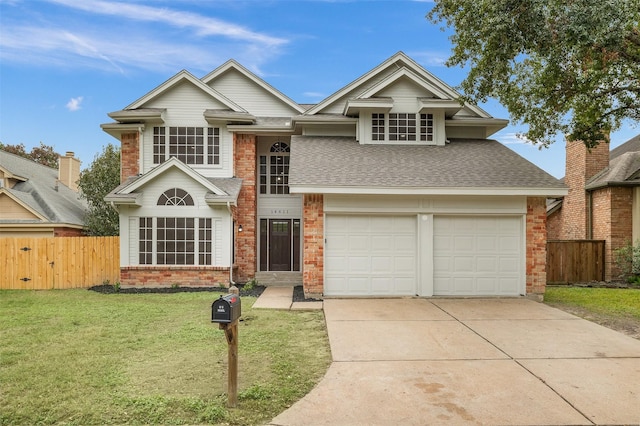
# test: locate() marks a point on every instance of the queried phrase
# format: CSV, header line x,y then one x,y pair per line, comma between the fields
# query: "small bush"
x,y
627,259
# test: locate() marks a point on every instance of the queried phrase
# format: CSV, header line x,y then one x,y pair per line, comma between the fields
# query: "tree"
x,y
43,154
570,66
102,176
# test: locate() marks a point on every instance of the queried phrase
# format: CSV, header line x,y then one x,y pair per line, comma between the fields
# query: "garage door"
x,y
477,256
370,255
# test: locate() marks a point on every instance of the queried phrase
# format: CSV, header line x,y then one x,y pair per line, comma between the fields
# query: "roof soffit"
x,y
232,65
163,168
181,77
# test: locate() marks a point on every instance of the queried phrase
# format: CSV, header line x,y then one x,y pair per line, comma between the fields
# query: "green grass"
x,y
613,302
80,357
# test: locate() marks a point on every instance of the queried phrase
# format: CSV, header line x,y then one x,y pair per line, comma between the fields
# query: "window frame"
x,y
402,128
177,141
175,241
269,170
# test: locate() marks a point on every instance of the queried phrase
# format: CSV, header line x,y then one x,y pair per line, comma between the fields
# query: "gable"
x,y
405,94
250,95
172,178
10,209
184,101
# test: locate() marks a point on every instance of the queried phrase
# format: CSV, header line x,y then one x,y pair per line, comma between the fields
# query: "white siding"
x,y
185,105
221,220
425,204
405,94
250,96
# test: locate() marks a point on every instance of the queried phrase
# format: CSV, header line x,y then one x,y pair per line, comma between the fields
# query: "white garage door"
x,y
370,255
477,256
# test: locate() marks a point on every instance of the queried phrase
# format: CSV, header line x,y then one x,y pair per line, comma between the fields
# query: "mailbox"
x,y
226,309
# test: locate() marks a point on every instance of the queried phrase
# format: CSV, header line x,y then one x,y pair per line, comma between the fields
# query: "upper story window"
x,y
175,197
274,170
402,127
191,145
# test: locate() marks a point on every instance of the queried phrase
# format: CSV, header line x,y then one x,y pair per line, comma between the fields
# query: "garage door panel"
x,y
380,257
358,264
485,255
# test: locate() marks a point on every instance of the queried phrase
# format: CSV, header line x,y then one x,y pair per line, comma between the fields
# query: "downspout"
x,y
589,215
231,282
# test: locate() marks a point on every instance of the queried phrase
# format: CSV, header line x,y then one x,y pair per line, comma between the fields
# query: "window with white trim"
x,y
175,197
191,145
274,170
175,241
402,127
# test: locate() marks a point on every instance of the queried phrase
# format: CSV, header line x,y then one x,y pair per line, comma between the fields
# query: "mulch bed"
x,y
254,291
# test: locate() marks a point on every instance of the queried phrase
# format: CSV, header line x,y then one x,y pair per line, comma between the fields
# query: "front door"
x,y
280,244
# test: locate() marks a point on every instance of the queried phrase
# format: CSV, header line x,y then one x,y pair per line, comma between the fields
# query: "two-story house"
x,y
388,187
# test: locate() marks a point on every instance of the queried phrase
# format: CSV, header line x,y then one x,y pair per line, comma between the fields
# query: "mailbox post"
x,y
226,311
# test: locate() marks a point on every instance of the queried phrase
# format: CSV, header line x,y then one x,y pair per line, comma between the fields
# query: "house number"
x,y
279,211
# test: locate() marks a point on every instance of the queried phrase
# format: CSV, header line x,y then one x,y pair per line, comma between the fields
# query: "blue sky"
x,y
65,64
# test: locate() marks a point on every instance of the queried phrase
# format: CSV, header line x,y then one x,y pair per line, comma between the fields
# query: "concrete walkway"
x,y
281,298
470,361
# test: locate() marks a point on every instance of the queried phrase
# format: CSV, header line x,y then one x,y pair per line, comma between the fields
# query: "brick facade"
x,y
536,245
129,155
313,245
68,232
612,222
246,212
167,276
554,226
600,214
581,165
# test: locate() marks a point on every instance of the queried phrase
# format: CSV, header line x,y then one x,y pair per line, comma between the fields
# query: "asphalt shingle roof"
x,y
42,192
462,163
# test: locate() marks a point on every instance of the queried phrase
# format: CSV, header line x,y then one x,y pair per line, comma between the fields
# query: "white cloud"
x,y
116,45
314,95
513,139
74,103
430,58
202,25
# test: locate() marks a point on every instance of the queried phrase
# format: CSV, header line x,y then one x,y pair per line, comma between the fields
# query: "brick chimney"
x,y
581,165
129,155
69,170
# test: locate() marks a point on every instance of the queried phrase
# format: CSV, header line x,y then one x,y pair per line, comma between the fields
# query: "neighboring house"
x,y
603,202
388,187
39,201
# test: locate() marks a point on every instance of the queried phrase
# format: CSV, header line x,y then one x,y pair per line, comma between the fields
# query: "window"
x,y
402,127
146,241
274,170
187,144
377,127
175,241
426,127
175,197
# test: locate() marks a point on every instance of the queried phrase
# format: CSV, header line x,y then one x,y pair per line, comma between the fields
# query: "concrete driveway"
x,y
470,361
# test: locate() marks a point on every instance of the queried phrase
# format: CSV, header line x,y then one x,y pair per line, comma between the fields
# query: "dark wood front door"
x,y
280,244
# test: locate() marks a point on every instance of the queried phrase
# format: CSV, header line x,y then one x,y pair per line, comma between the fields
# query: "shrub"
x,y
627,259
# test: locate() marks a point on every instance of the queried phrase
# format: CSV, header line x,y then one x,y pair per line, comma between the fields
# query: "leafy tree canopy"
x,y
100,178
570,66
43,154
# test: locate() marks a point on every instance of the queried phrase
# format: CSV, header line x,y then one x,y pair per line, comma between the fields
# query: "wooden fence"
x,y
66,262
575,261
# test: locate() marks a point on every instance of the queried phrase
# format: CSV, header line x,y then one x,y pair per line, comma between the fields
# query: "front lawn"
x,y
80,357
616,308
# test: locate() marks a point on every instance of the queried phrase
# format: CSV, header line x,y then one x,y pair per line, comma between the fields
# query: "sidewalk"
x,y
282,298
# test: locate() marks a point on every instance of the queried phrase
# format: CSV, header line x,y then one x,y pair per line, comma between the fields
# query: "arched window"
x,y
274,170
175,197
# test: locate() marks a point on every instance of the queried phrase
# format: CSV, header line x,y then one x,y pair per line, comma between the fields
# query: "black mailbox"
x,y
226,309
